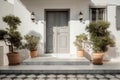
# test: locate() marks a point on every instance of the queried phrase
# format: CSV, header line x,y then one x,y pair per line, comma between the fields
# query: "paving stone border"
x,y
59,76
60,71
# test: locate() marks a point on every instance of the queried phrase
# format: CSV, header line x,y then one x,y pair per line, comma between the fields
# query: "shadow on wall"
x,y
113,52
40,45
38,7
24,54
34,33
87,55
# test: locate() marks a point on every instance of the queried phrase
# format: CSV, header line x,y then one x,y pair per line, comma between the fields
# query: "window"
x,y
97,14
118,17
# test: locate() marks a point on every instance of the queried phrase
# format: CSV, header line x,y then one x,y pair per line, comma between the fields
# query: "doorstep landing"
x,y
56,61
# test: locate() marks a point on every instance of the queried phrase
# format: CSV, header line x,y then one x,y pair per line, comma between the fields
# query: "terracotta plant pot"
x,y
13,58
97,58
33,54
80,53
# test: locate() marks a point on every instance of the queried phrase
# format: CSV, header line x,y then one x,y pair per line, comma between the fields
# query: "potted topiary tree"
x,y
12,38
32,44
79,43
100,40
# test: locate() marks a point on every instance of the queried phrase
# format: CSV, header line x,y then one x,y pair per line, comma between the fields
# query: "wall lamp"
x,y
33,16
81,16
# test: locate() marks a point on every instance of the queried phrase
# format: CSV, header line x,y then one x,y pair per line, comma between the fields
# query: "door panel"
x,y
57,32
63,40
49,32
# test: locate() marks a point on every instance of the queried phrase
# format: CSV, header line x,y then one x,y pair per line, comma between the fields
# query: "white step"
x,y
56,61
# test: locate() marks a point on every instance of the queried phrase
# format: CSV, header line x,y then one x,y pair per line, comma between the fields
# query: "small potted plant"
x,y
100,40
79,43
12,38
32,44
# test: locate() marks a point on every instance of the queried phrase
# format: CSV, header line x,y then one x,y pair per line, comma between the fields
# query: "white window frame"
x,y
104,14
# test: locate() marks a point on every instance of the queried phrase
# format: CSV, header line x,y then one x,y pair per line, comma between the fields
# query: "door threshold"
x,y
62,55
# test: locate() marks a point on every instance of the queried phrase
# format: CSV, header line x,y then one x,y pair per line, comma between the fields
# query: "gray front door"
x,y
57,32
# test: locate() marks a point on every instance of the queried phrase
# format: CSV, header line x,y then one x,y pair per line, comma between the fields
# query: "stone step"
x,y
106,68
30,69
56,61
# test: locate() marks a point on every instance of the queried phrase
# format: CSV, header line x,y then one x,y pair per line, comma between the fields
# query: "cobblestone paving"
x,y
59,76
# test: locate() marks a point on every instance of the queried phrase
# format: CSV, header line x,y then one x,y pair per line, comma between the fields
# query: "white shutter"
x,y
118,17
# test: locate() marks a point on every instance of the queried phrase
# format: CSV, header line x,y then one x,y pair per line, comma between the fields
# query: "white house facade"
x,y
57,21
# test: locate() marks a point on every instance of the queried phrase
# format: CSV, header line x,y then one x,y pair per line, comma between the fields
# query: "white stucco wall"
x,y
11,1
99,2
75,7
76,27
25,16
16,8
27,26
3,54
23,11
5,9
113,53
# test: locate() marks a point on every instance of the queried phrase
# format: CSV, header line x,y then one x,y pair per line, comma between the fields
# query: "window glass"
x,y
100,14
93,14
97,14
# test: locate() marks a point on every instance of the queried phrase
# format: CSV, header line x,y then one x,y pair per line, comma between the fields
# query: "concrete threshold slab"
x,y
56,61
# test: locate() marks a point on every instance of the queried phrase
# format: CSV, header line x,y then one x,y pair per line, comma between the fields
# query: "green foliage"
x,y
32,42
12,21
100,36
15,39
80,39
14,35
2,33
